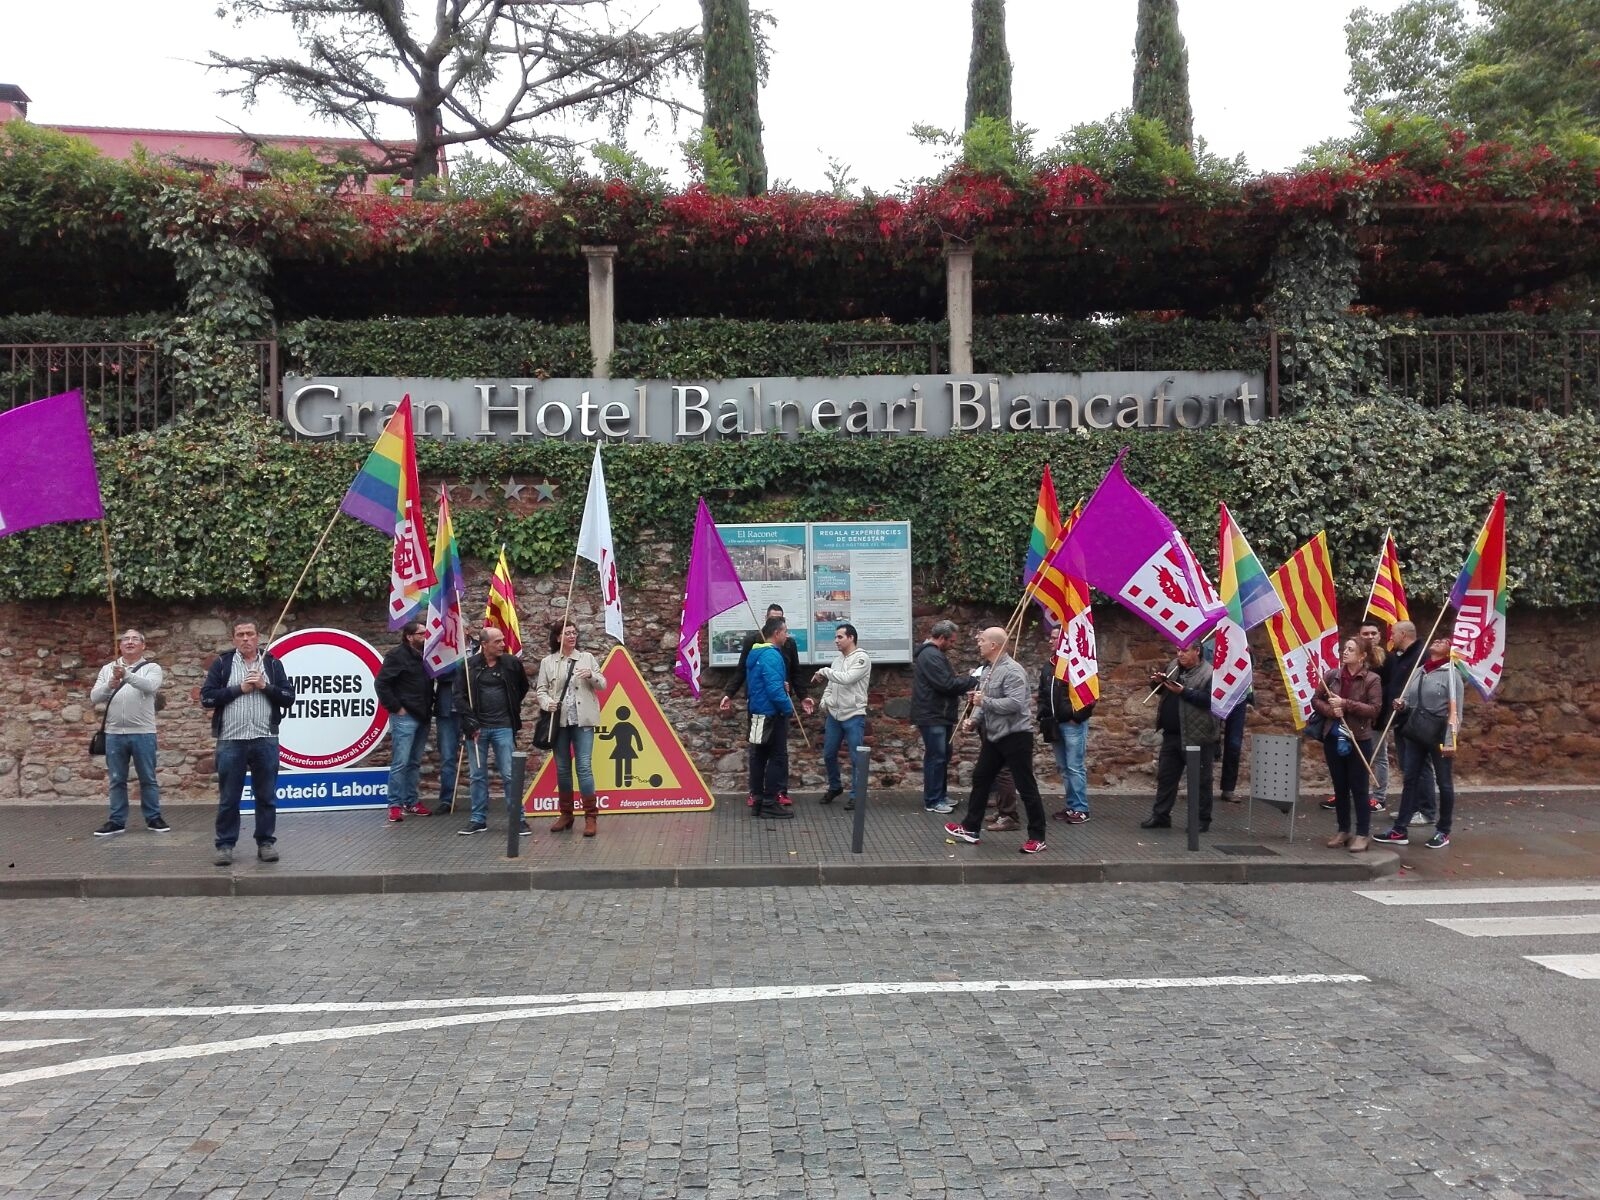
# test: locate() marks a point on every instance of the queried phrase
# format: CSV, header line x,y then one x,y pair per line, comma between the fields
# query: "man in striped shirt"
x,y
248,692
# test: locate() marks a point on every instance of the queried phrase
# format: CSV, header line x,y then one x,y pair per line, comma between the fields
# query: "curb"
x,y
1374,865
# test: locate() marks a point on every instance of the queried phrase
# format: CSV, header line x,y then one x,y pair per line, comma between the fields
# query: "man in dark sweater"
x,y
935,689
489,690
405,689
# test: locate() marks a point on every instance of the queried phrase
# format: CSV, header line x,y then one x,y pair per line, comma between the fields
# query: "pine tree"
x,y
1161,71
989,73
733,117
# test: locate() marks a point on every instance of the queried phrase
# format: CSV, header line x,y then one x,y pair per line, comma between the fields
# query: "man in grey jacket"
x,y
1003,717
127,686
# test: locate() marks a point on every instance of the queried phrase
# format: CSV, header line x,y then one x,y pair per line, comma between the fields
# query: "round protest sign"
x,y
336,719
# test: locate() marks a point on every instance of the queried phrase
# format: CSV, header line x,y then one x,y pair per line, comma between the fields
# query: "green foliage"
x,y
1327,351
711,167
989,68
232,510
1406,61
617,162
1161,71
344,170
1145,161
732,112
988,146
437,347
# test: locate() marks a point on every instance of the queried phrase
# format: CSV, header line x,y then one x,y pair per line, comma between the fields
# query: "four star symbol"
x,y
514,489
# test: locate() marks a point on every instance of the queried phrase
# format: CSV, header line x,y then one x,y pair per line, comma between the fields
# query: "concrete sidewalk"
x,y
49,851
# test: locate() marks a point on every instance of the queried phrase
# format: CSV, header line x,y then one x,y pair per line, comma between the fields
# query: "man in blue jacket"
x,y
766,675
247,692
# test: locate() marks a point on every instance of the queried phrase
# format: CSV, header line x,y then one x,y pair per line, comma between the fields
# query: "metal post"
x,y
519,772
1192,770
860,758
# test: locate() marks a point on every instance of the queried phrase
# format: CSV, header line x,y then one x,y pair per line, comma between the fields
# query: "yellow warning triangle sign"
x,y
639,763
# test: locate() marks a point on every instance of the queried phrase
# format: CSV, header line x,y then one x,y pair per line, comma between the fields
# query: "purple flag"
x,y
49,463
712,587
1125,546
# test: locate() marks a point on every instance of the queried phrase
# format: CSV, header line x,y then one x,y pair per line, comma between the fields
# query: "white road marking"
x,y
1579,966
1508,895
636,1001
9,1047
1520,926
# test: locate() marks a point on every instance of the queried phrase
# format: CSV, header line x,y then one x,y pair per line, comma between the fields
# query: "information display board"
x,y
822,574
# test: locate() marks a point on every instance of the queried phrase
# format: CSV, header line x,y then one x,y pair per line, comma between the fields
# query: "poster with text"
x,y
861,574
772,565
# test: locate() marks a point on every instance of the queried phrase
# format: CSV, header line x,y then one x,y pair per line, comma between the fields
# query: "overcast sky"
x,y
849,77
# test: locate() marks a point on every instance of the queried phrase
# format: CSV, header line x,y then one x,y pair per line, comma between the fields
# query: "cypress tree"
x,y
1161,71
729,86
989,72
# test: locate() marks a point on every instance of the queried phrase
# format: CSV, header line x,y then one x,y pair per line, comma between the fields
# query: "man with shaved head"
x,y
1002,715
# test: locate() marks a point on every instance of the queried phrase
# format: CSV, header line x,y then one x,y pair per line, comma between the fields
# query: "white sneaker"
x,y
946,807
1418,819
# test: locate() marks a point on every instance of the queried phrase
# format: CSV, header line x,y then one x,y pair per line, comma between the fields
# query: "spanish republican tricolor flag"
x,y
502,611
1479,598
1047,583
1305,635
386,495
1388,599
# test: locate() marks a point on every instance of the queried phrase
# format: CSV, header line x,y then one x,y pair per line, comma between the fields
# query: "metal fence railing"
x,y
128,387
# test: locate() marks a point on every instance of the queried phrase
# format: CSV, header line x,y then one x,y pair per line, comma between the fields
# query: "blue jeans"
x,y
141,749
847,733
1417,789
259,756
408,740
499,743
1232,747
935,765
574,742
1070,750
449,739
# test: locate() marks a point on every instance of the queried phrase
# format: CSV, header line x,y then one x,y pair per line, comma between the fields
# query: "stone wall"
x,y
1545,729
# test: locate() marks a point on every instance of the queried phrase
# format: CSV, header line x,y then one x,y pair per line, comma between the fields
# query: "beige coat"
x,y
553,674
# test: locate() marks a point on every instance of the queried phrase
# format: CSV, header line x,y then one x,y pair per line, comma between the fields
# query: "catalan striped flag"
x,y
502,611
1479,598
1246,590
1388,599
1048,584
1305,635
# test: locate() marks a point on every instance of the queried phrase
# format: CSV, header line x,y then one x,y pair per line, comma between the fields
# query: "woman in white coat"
x,y
569,685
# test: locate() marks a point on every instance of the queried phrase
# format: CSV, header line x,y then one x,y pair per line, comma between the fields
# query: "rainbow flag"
x,y
446,644
1047,584
502,611
374,495
1305,635
1387,602
1246,591
1245,586
1479,598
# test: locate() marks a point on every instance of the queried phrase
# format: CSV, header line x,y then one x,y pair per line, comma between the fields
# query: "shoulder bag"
x,y
1424,728
544,729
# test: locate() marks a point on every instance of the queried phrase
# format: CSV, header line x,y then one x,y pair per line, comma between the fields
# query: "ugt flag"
x,y
1479,598
49,471
446,644
386,495
594,543
1125,546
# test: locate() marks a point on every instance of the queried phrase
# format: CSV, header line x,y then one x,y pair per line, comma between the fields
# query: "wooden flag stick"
x,y
571,585
1415,667
111,585
294,591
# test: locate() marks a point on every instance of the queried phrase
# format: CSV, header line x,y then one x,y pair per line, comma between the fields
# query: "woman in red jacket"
x,y
1349,700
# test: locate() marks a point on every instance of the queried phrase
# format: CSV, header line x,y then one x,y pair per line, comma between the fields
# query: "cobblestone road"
x,y
1211,1089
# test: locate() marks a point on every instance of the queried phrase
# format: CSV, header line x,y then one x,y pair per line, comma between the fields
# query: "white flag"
x,y
594,543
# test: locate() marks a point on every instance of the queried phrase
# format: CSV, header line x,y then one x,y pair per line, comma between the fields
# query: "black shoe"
x,y
1205,826
1156,823
108,830
472,829
159,825
774,813
849,804
829,796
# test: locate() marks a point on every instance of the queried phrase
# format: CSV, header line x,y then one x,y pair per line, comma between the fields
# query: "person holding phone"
x,y
247,692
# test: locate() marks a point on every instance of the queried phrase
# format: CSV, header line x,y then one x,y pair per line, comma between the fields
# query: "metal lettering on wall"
x,y
859,405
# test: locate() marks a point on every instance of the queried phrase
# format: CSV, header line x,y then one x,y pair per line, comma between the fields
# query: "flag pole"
x,y
1415,667
111,585
316,550
1383,552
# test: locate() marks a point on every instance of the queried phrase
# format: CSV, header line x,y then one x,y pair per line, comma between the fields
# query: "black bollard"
x,y
1192,770
860,759
519,772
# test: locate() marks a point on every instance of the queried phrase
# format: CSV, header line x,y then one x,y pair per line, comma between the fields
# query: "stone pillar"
x,y
602,306
958,306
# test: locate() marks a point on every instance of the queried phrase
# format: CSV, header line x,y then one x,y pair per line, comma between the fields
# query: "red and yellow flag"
x,y
1305,635
1388,600
502,611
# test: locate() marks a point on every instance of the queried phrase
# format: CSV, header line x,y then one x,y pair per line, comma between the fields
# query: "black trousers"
x,y
1169,770
1015,751
769,763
